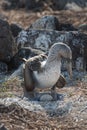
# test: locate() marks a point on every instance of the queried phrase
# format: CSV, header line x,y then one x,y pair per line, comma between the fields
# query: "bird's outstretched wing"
x,y
61,82
34,63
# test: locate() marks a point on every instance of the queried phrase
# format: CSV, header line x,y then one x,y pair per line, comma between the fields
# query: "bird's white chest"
x,y
49,77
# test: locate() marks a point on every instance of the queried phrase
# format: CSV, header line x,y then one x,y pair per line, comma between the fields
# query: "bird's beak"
x,y
70,68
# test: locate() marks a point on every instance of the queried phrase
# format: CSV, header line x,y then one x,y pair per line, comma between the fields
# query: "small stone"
x,y
46,97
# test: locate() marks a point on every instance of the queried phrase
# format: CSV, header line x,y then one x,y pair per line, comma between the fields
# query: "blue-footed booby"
x,y
46,73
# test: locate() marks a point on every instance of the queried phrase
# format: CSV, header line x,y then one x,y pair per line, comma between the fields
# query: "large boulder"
x,y
46,22
15,29
34,4
50,22
44,39
7,44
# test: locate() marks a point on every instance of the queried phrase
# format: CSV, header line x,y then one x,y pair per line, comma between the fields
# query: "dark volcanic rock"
x,y
15,29
28,4
59,4
3,67
9,4
34,4
43,39
66,27
69,4
7,45
46,22
50,22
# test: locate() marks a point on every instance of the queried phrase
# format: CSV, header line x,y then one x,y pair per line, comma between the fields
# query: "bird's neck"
x,y
53,61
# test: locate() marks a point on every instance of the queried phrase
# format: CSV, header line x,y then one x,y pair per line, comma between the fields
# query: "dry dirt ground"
x,y
16,118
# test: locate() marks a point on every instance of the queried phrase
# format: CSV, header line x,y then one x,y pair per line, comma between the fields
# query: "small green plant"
x,y
70,94
3,89
10,95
